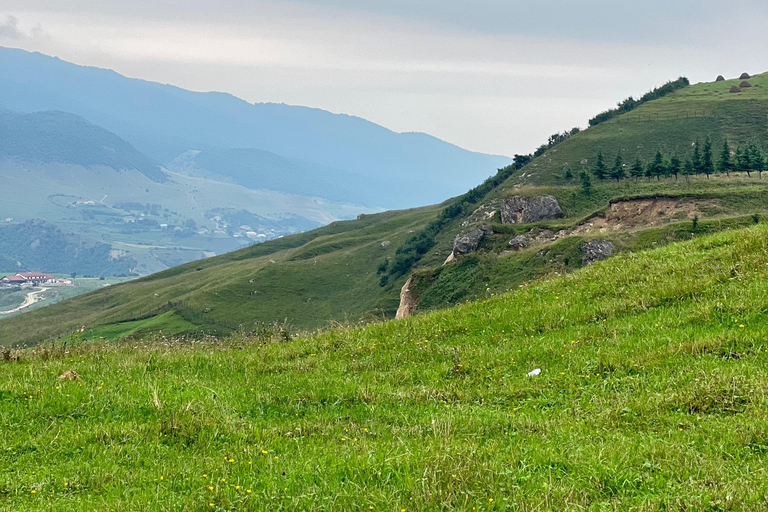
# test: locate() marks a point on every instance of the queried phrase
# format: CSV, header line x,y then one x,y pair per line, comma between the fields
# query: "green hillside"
x,y
670,124
309,279
651,396
347,272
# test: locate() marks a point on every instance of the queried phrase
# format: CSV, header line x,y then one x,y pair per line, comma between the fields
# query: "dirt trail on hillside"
x,y
31,298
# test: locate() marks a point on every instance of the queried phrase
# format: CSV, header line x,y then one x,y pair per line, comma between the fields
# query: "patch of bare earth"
x,y
632,214
623,215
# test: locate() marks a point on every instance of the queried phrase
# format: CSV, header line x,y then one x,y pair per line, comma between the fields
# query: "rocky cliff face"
x,y
524,210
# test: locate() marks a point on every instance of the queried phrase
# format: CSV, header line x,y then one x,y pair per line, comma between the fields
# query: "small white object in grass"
x,y
534,373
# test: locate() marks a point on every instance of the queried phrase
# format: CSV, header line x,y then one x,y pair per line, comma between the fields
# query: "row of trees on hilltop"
x,y
631,103
747,159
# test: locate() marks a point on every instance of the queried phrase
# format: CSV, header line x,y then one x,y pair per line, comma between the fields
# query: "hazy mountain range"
x,y
163,122
78,143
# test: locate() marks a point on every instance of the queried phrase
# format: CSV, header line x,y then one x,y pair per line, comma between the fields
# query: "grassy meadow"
x,y
652,395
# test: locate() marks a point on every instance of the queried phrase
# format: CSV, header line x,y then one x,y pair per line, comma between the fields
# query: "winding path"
x,y
31,298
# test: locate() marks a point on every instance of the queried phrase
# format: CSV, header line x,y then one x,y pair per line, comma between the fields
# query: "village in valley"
x,y
32,279
24,291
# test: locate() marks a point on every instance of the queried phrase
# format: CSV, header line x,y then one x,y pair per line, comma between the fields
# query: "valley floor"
x,y
30,299
652,395
14,302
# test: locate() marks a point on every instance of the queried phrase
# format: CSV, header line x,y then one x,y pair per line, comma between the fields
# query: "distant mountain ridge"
x,y
164,121
60,137
259,169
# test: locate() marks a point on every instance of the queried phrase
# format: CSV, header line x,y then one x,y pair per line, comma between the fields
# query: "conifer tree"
x,y
708,167
637,170
675,166
649,170
618,173
586,183
751,155
688,169
758,161
742,160
698,167
725,165
600,170
658,168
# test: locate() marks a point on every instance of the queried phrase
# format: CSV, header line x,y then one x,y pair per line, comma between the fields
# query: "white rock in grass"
x,y
534,373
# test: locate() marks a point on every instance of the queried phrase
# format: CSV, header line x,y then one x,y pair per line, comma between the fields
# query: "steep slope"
x,y
650,395
164,121
671,125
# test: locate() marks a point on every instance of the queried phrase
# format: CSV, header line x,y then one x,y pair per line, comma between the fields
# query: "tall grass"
x,y
652,396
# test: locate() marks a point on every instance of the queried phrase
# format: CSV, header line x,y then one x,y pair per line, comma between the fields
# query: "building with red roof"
x,y
32,278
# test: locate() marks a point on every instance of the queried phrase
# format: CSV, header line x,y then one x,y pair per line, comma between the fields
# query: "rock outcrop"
x,y
519,242
468,242
596,250
524,210
407,301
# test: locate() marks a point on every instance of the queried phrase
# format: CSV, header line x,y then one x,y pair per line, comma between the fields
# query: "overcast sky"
x,y
496,76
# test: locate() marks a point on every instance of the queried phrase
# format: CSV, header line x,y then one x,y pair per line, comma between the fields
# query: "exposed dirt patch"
x,y
632,214
624,215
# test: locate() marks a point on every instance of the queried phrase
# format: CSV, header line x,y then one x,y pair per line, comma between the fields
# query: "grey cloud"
x,y
9,29
656,22
646,21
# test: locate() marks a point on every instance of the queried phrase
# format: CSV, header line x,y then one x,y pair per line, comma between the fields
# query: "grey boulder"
x,y
464,244
519,242
524,210
596,250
